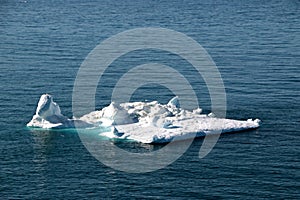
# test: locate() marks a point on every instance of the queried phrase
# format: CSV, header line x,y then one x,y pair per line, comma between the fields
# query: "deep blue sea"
x,y
256,46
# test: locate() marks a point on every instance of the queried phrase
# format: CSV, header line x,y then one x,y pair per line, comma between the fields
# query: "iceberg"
x,y
48,116
146,122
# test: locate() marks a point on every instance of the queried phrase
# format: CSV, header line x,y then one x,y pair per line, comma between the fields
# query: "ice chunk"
x,y
184,128
147,122
174,102
197,111
47,107
117,114
48,115
212,115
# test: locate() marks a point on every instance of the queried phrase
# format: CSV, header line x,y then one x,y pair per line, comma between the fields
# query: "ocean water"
x,y
256,46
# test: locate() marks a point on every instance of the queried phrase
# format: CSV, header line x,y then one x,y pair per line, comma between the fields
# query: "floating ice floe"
x,y
147,122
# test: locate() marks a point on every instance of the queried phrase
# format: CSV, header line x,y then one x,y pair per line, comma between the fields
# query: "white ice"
x,y
48,115
147,122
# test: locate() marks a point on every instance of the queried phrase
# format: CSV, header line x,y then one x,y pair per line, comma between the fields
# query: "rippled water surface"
x,y
255,45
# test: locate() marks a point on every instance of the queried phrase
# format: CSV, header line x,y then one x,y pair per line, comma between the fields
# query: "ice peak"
x,y
174,102
47,107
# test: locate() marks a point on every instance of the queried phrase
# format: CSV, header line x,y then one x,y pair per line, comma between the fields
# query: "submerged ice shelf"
x,y
147,122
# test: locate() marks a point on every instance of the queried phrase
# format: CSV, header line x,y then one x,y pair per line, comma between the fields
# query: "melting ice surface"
x,y
147,122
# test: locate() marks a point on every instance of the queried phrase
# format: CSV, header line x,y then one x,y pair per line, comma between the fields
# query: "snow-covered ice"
x,y
147,122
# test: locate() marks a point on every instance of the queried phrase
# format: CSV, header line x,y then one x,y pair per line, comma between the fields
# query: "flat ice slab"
x,y
147,122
